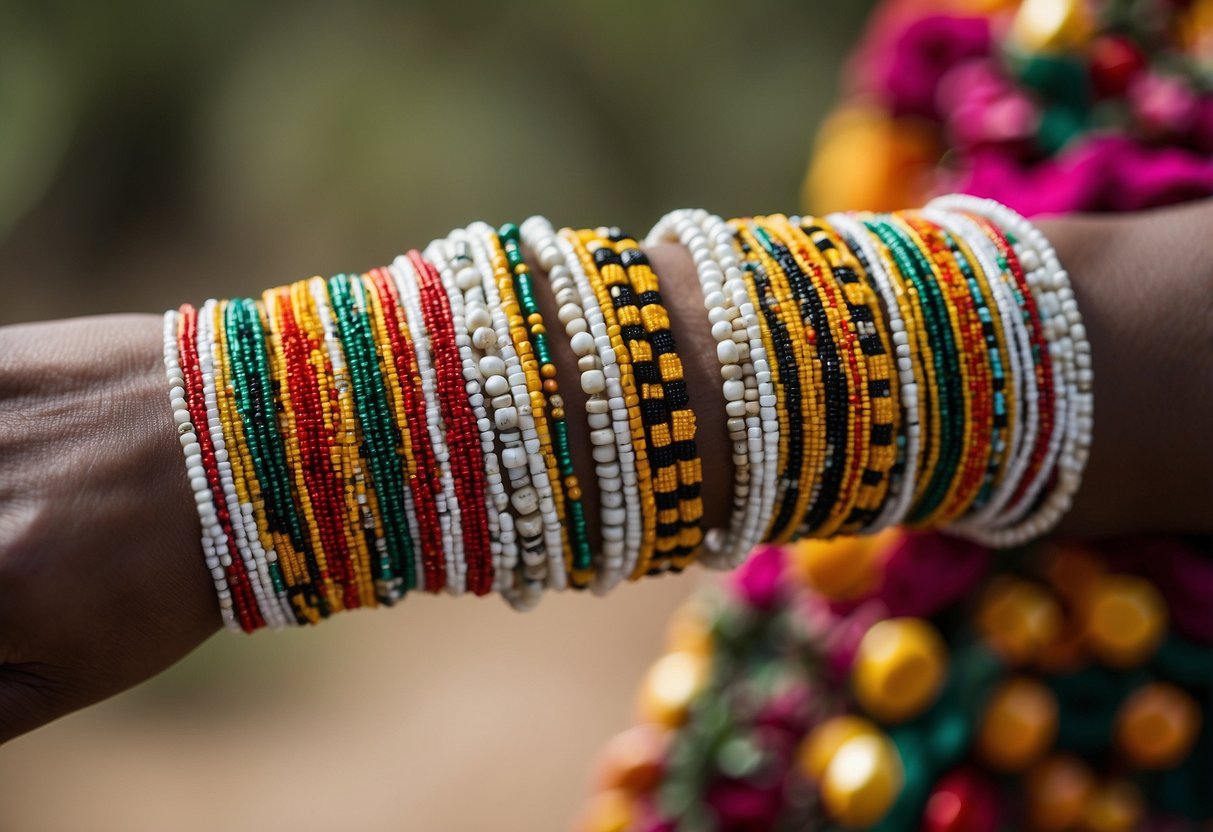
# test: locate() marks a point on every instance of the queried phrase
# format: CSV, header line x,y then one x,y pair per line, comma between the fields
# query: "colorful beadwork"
x,y
355,438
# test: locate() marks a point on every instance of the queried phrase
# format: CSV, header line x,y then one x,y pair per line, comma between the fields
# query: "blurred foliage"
x,y
152,151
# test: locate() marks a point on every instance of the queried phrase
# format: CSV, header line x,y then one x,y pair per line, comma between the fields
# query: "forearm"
x,y
1145,286
99,532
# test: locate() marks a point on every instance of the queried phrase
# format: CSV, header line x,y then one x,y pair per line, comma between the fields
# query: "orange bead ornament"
x,y
1018,618
1019,724
1157,726
609,811
1056,791
1114,807
635,759
1126,619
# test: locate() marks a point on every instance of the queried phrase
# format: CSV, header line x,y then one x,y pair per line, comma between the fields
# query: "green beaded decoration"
x,y
256,395
381,438
915,267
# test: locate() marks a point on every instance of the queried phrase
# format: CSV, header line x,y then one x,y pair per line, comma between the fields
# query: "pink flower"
x,y
1108,172
1202,125
758,581
980,106
924,573
906,61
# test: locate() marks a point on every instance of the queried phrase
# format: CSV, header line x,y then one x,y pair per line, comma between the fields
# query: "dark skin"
x,y
102,583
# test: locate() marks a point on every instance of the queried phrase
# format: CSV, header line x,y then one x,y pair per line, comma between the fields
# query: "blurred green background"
x,y
154,152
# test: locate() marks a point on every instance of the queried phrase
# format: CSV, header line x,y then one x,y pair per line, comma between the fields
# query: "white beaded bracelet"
x,y
255,567
1071,351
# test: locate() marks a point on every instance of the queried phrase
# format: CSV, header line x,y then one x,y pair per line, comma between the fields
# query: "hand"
x,y
102,582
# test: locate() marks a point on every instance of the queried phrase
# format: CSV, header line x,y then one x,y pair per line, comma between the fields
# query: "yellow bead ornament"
x,y
631,398
281,302
608,811
244,476
913,318
670,687
286,426
823,742
880,415
899,668
1052,26
843,568
679,433
862,780
950,292
833,294
787,310
1116,806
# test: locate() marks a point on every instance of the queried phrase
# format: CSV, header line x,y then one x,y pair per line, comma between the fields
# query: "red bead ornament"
x,y
1114,62
962,801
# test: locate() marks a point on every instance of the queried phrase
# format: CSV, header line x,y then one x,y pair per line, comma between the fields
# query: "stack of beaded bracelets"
x,y
349,440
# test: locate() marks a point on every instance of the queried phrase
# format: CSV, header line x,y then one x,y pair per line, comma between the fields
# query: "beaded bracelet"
x,y
796,394
1073,349
666,370
606,416
568,489
877,399
743,363
474,337
875,261
535,502
350,439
